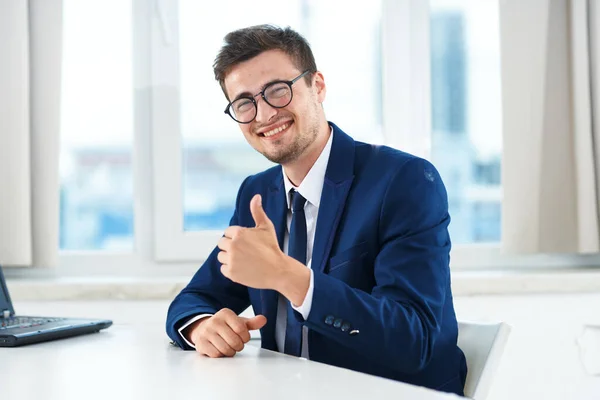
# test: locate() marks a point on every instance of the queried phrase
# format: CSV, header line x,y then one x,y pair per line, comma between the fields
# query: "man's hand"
x,y
252,257
222,334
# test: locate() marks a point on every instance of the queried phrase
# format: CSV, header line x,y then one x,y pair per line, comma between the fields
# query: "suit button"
x,y
337,323
329,320
345,327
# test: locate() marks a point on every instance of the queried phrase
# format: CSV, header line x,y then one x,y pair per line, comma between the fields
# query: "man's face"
x,y
282,135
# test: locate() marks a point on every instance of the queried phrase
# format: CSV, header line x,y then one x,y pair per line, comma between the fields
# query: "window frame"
x,y
171,242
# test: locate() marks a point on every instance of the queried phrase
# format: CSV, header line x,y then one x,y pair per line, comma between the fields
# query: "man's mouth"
x,y
273,132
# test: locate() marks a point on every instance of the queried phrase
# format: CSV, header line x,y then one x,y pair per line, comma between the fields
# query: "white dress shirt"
x,y
311,189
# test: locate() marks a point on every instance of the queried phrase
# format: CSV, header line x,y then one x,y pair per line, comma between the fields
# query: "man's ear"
x,y
320,87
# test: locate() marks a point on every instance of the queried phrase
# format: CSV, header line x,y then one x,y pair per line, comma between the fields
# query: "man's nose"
x,y
264,111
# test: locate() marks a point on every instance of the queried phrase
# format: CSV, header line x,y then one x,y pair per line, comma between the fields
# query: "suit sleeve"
x,y
208,292
399,321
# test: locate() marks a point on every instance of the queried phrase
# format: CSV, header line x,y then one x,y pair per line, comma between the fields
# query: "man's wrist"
x,y
187,331
293,281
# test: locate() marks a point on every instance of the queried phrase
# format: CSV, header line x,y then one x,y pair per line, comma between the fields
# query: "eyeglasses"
x,y
277,94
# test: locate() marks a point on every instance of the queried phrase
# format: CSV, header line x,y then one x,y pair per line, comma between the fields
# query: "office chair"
x,y
483,345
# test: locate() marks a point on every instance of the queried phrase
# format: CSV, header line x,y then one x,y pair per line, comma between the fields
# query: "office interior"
x,y
119,170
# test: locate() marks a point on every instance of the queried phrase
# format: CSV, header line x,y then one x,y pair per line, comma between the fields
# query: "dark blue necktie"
x,y
297,250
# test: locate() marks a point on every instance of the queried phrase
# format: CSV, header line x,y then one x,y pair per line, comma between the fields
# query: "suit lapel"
x,y
338,180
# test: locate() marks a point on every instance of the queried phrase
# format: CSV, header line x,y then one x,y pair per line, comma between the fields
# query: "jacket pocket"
x,y
348,256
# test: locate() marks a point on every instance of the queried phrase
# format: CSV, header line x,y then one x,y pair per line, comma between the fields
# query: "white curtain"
x,y
551,122
30,64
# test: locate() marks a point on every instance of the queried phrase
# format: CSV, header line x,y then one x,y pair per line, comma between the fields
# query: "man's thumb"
x,y
258,213
255,322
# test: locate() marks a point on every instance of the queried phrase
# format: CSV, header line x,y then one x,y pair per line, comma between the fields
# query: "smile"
x,y
273,132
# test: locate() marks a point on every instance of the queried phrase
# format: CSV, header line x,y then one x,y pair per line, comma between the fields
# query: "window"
x,y
422,76
466,138
419,75
96,207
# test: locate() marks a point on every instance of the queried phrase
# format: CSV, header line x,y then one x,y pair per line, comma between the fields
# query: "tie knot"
x,y
297,201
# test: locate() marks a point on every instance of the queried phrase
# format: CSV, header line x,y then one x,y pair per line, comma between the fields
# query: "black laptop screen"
x,y
5,303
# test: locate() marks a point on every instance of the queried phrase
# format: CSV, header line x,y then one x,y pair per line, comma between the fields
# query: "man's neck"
x,y
297,170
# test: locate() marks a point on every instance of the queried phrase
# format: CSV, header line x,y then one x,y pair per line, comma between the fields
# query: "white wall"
x,y
542,359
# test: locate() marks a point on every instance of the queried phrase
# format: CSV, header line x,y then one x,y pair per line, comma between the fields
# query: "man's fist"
x,y
222,334
251,256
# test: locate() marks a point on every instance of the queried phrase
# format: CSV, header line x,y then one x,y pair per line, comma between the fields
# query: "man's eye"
x,y
279,91
243,106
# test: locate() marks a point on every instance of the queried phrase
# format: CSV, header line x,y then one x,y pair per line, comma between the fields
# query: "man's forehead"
x,y
251,76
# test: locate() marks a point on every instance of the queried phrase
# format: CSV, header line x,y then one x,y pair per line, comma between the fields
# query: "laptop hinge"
x,y
5,313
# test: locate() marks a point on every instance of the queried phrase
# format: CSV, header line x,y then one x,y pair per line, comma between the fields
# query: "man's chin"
x,y
281,158
278,159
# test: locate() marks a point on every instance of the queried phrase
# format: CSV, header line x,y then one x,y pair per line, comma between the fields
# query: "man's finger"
x,y
258,213
232,231
238,325
208,349
226,271
256,322
232,339
221,345
223,257
224,243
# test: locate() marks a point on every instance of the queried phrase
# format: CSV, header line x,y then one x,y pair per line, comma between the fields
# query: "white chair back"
x,y
483,345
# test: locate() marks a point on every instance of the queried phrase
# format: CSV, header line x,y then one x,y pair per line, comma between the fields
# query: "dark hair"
x,y
247,43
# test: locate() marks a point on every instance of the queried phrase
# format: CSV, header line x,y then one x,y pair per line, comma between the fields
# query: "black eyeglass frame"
x,y
262,94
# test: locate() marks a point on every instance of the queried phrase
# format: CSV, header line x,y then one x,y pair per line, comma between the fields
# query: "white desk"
x,y
136,361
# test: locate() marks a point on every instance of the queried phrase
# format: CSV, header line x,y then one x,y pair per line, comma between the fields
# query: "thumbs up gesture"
x,y
251,256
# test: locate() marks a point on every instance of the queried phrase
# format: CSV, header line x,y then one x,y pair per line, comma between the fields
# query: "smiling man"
x,y
342,250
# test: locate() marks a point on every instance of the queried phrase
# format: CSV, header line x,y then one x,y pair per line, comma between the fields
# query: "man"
x,y
369,222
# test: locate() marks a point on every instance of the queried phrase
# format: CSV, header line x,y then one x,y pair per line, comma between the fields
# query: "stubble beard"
x,y
292,152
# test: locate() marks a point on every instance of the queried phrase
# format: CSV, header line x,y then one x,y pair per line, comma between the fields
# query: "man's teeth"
x,y
276,130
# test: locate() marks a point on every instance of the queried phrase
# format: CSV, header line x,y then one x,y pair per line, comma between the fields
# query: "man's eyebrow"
x,y
248,94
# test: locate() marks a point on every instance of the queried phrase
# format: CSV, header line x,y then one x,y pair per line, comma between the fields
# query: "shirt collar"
x,y
312,185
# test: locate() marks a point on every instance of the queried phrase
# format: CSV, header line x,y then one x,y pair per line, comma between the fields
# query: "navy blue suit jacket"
x,y
382,302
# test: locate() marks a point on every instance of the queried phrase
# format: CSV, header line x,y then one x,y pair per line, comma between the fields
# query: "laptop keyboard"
x,y
25,322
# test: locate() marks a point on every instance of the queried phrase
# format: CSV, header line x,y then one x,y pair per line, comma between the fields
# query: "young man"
x,y
342,250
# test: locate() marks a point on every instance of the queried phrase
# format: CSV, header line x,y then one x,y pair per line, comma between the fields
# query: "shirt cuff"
x,y
191,321
305,307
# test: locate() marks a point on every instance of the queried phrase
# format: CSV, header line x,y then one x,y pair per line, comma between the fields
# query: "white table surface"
x,y
134,360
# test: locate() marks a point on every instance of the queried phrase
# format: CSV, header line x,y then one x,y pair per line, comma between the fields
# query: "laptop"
x,y
18,330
